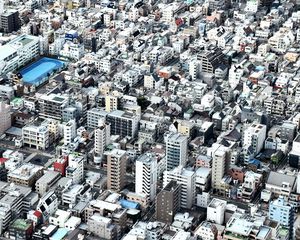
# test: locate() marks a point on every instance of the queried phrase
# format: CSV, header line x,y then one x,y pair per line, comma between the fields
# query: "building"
x,y
255,136
281,184
283,213
10,21
123,123
5,117
18,52
219,166
168,202
48,205
187,179
26,175
111,103
211,59
75,169
21,229
146,175
93,117
52,106
216,211
69,131
102,138
207,231
116,169
59,218
36,135
47,181
176,150
102,227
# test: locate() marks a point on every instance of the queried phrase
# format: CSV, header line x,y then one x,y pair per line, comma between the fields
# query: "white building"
x,y
216,211
5,117
176,150
72,223
59,218
207,231
36,136
72,50
18,52
218,167
75,167
187,180
146,175
102,138
69,132
255,136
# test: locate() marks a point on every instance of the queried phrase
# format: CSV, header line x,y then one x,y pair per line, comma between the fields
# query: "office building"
x,y
146,175
123,123
18,52
116,169
47,181
102,138
216,211
75,169
93,117
283,213
52,105
9,21
5,117
168,202
36,135
176,150
187,179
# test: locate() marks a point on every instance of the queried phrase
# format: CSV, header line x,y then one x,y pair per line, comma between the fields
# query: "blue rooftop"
x,y
59,234
129,204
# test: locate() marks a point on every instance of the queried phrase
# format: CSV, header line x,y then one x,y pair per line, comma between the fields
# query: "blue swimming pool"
x,y
39,71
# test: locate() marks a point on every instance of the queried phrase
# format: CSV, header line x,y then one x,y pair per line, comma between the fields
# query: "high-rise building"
x,y
176,150
116,169
69,132
75,169
102,138
123,123
146,175
283,213
111,103
5,117
255,136
52,106
10,21
168,202
187,180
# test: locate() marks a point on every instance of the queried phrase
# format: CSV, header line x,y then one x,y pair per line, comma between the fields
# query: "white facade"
x,y
36,136
102,137
146,175
18,52
75,168
216,211
69,132
255,136
187,180
59,218
218,167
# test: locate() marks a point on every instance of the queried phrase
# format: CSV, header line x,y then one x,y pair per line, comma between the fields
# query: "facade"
x,y
146,175
18,52
218,168
116,169
26,175
10,21
283,213
5,117
36,136
216,211
207,231
123,123
176,150
75,169
52,106
187,180
102,227
168,202
47,181
102,137
69,131
111,103
93,117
